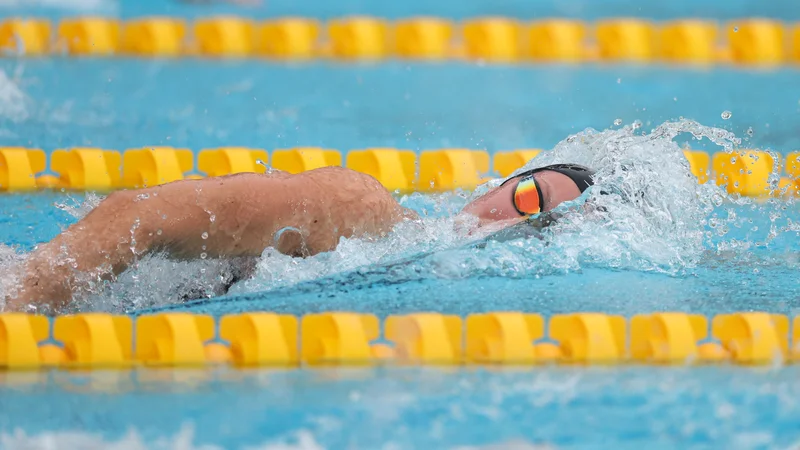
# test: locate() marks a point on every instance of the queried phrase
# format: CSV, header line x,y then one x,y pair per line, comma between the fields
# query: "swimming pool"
x,y
744,257
418,107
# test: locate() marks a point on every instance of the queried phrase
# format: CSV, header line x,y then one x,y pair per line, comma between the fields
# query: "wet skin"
x,y
235,216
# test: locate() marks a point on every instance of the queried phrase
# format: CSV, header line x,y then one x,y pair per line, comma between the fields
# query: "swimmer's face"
x,y
497,205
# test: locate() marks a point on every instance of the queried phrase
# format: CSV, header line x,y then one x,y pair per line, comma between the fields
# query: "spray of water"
x,y
646,212
15,105
133,440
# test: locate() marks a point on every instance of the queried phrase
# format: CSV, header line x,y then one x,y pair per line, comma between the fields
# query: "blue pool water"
x,y
201,104
688,249
524,9
659,408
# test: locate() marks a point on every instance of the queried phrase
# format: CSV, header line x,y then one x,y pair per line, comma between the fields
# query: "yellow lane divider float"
x,y
292,38
626,40
228,160
558,40
97,340
88,36
489,39
155,37
425,38
25,36
744,172
18,167
691,41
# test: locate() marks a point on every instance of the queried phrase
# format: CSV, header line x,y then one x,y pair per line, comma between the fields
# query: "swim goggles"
x,y
528,196
528,199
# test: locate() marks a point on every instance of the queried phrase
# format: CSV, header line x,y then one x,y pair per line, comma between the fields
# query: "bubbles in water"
x,y
78,209
267,167
134,227
136,439
726,115
14,103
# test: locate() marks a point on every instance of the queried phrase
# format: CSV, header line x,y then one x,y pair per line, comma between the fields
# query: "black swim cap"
x,y
580,175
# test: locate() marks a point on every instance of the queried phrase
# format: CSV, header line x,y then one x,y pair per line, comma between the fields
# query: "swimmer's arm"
x,y
215,216
237,215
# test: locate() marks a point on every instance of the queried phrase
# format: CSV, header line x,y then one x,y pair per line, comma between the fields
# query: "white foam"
x,y
10,260
14,103
183,440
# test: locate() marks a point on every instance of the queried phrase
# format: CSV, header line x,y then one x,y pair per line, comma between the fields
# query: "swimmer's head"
x,y
531,192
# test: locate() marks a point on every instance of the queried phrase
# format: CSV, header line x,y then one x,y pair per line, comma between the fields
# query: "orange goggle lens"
x,y
526,197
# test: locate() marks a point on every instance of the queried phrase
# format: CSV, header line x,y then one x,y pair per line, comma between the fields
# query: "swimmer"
x,y
240,215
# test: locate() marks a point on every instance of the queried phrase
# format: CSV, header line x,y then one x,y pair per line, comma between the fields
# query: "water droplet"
x,y
493,210
204,235
726,115
164,217
750,131
617,122
212,218
204,247
735,29
159,232
619,80
203,255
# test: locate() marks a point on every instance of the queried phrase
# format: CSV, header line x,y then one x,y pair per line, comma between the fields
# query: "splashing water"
x,y
14,103
133,440
79,209
646,212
